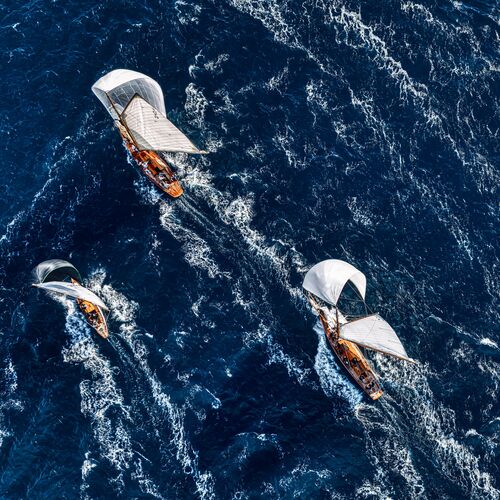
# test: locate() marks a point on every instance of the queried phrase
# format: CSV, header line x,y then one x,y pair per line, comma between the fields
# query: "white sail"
x,y
72,290
152,131
327,279
118,87
55,270
374,333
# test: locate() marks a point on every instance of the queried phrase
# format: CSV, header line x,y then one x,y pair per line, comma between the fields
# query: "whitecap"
x,y
333,382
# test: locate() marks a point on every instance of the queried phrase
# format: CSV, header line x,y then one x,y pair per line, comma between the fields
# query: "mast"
x,y
121,121
337,322
113,106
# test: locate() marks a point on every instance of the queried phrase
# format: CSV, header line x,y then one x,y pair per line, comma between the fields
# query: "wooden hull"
x,y
155,168
94,316
353,361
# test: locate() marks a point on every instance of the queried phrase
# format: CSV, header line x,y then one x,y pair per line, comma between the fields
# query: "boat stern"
x,y
102,330
375,395
174,189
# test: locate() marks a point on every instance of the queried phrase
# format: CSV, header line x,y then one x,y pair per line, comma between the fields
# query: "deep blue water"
x,y
337,129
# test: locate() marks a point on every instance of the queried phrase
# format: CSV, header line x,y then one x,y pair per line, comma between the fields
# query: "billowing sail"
x,y
72,290
327,279
116,89
374,333
55,270
152,131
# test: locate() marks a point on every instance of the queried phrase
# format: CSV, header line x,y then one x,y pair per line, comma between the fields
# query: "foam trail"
x,y
197,252
123,311
8,401
391,450
87,466
409,399
237,214
294,368
145,483
101,397
332,380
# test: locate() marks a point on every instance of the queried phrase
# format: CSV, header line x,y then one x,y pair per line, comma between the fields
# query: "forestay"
x,y
116,89
327,279
374,333
72,290
55,270
152,131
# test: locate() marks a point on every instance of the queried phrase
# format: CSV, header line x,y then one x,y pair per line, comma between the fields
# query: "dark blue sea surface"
x,y
365,131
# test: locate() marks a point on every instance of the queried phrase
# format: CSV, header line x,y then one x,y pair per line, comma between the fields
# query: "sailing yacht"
x,y
61,277
323,287
136,104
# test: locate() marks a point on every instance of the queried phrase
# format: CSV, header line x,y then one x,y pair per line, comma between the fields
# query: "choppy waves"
x,y
335,129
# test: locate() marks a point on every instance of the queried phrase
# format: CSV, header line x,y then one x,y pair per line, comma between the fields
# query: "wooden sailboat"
x,y
323,286
94,314
136,103
157,170
61,277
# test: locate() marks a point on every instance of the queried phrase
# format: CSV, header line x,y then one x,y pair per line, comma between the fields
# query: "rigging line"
x,y
347,299
354,316
354,289
367,309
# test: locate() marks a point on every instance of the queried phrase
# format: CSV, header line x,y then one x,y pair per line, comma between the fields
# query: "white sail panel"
x,y
374,333
152,131
327,279
72,290
121,85
55,270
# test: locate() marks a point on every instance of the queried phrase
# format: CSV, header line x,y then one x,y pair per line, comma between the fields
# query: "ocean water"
x,y
366,131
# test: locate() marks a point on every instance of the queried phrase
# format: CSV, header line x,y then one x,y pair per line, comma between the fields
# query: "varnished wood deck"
x,y
155,167
94,316
353,361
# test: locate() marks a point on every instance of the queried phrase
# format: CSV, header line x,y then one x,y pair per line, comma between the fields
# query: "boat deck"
x,y
155,168
353,361
94,316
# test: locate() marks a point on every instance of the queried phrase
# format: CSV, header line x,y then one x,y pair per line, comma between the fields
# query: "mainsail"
x,y
116,89
374,333
327,279
55,270
72,290
151,130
